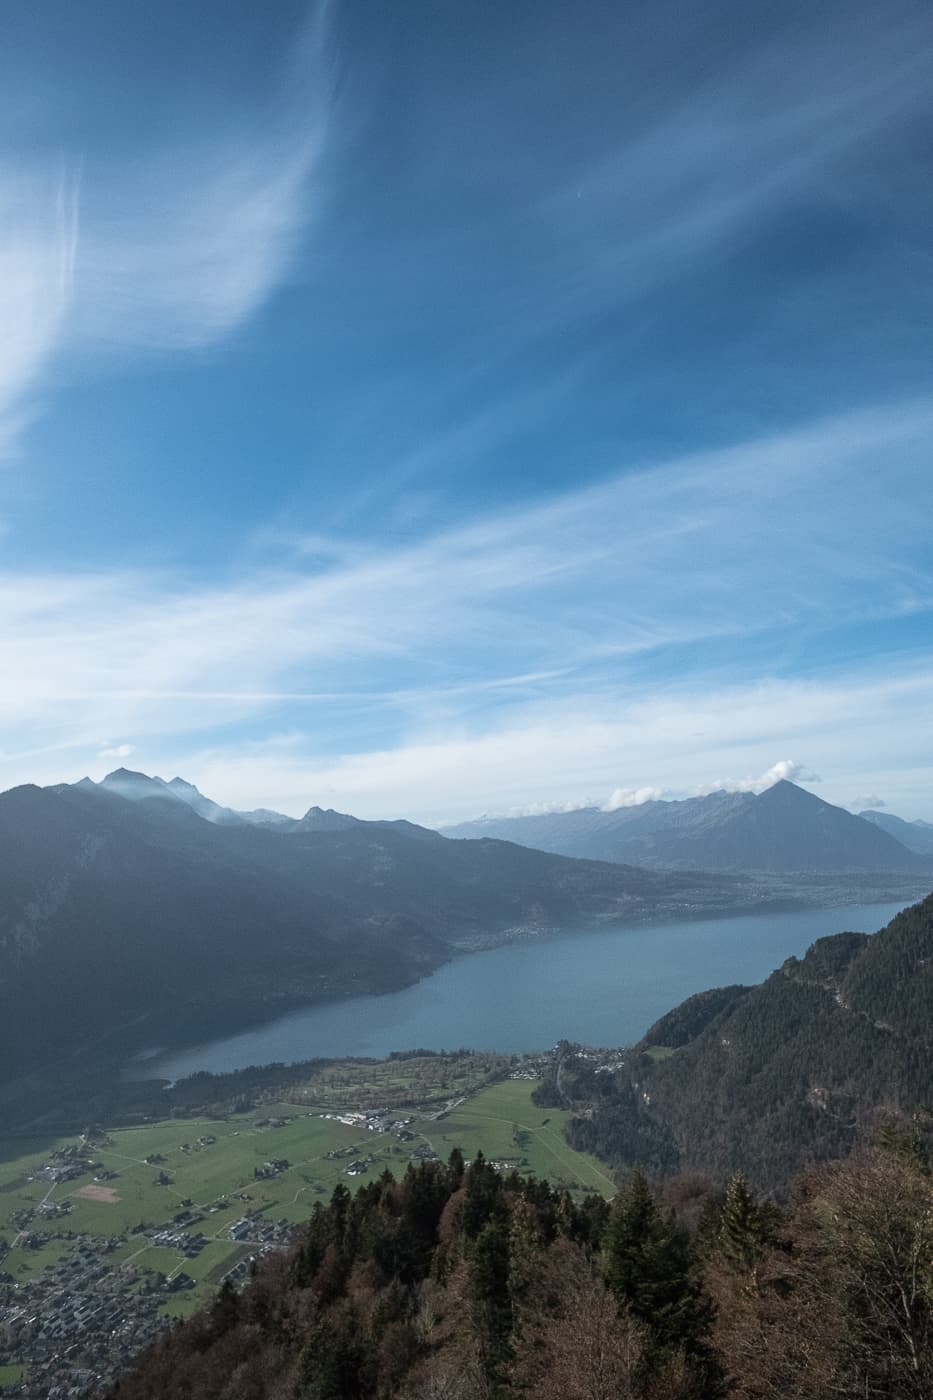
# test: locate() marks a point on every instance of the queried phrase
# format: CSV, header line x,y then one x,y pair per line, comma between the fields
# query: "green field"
x,y
504,1124
217,1177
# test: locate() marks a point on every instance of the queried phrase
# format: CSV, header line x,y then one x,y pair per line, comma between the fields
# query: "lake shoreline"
x,y
460,1003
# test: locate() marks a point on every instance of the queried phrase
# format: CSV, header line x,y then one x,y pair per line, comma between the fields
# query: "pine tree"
x,y
650,1270
489,1281
745,1226
483,1197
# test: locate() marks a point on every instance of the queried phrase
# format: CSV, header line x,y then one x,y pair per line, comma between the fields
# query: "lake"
x,y
602,987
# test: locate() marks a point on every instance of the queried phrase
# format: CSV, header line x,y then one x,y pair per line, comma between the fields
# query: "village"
x,y
108,1239
77,1323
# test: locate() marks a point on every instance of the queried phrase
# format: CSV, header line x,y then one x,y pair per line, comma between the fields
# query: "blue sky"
x,y
427,409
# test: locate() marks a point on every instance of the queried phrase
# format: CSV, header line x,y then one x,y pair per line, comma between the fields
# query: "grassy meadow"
x,y
217,1177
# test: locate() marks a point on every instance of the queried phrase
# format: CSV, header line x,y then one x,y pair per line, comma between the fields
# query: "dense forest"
x,y
803,1068
456,1283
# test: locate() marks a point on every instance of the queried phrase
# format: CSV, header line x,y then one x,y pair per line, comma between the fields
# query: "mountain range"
x,y
134,896
916,835
785,829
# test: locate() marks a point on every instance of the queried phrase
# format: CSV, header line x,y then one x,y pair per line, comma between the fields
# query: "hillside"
x,y
460,1283
768,1078
782,830
114,907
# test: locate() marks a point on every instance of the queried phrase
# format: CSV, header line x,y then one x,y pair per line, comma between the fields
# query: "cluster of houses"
x,y
76,1325
374,1120
187,1244
254,1228
64,1165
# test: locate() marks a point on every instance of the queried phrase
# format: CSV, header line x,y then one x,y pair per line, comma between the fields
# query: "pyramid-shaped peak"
x,y
786,791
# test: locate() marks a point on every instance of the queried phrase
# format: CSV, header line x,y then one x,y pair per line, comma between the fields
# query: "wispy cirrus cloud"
x,y
178,253
38,239
777,127
698,149
440,642
169,247
577,746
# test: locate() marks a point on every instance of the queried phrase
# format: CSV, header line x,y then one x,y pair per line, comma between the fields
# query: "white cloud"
x,y
177,248
868,802
784,770
38,241
640,562
633,797
119,751
551,749
498,628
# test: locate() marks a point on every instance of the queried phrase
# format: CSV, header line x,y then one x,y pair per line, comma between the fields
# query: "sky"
x,y
430,410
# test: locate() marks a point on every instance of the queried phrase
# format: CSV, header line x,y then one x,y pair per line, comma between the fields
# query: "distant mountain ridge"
x,y
916,836
784,829
135,895
139,787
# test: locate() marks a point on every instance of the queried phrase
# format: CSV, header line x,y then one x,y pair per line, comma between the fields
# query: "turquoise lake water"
x,y
601,987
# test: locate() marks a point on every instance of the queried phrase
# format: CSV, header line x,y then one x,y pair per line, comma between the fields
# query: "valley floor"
x,y
107,1236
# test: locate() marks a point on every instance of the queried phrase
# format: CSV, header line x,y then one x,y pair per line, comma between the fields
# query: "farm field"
x,y
207,1166
503,1123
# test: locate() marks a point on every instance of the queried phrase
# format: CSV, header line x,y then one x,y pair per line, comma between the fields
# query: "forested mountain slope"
x,y
458,1284
767,1078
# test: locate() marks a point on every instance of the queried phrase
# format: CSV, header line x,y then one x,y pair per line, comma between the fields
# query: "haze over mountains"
x,y
135,895
916,836
784,829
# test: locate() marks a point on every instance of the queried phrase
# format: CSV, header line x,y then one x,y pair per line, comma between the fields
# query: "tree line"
x,y
460,1283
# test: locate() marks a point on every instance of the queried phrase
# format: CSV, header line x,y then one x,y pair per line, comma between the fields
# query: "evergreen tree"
x,y
649,1268
745,1225
455,1167
489,1281
333,1364
483,1197
225,1309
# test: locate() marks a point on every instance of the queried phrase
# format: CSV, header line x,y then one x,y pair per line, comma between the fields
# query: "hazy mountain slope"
x,y
916,836
316,819
601,835
765,1078
139,787
110,908
783,830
